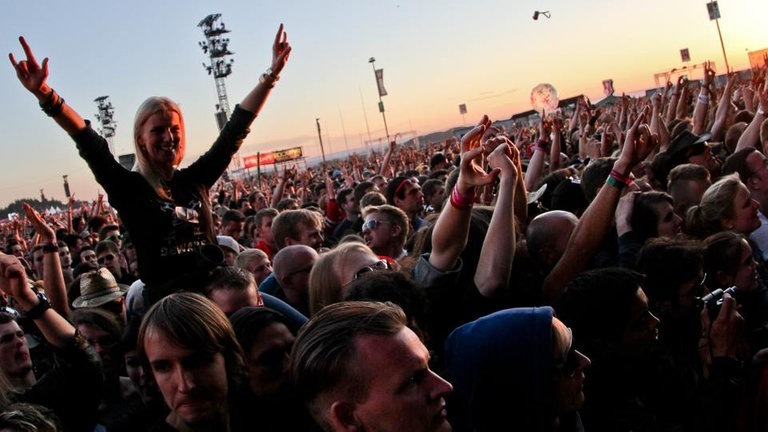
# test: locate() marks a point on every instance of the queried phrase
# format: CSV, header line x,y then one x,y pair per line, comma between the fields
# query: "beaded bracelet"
x,y
461,202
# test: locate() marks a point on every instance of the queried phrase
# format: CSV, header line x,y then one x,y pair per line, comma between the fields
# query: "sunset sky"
x,y
487,54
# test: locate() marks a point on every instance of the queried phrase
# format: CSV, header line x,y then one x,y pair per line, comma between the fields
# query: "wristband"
x,y
53,105
461,202
50,248
760,111
39,309
615,183
620,177
676,94
703,99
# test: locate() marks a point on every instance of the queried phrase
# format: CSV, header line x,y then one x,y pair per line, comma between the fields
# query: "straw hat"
x,y
98,287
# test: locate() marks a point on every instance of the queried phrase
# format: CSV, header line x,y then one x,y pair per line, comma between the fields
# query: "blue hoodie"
x,y
501,367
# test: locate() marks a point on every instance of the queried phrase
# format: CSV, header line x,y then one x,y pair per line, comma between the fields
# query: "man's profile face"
x,y
310,235
193,383
14,351
403,393
233,229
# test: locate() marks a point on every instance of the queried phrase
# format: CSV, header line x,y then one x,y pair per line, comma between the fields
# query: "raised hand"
x,y
472,173
638,143
31,74
281,50
47,234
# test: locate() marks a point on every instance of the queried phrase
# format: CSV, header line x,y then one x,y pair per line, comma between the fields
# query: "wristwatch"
x,y
39,309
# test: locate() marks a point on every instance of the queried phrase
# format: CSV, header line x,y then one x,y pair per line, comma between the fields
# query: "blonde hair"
x,y
147,109
325,287
717,203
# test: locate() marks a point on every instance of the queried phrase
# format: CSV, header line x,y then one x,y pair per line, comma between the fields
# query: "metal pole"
x,y
365,116
381,102
727,68
320,137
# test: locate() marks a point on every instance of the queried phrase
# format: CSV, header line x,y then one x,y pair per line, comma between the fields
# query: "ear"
x,y
753,183
342,417
396,230
723,279
289,241
545,256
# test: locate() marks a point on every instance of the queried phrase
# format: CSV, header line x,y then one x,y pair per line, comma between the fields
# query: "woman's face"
x,y
745,278
162,140
745,219
668,223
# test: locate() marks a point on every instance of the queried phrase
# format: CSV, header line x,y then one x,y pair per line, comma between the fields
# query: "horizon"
x,y
435,56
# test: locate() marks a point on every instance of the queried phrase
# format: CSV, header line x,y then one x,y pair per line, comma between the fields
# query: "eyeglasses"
x,y
570,363
105,258
373,224
380,265
114,238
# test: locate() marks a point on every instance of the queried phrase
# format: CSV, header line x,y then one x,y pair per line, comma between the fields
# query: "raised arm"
x,y
288,174
13,282
33,76
449,236
702,102
597,219
53,275
281,50
751,135
542,149
724,107
498,252
387,158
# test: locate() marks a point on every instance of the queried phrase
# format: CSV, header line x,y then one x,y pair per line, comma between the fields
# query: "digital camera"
x,y
714,301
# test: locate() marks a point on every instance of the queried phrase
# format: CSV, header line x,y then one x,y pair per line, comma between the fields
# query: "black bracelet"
x,y
53,106
39,309
50,248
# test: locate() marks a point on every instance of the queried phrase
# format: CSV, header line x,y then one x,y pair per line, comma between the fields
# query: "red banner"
x,y
270,158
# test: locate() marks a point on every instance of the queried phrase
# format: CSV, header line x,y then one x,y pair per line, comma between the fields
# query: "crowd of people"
x,y
605,271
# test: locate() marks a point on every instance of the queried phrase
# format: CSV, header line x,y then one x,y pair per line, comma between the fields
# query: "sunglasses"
x,y
105,258
114,238
373,224
570,363
380,265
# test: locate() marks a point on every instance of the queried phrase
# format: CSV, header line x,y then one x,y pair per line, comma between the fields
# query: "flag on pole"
x,y
714,10
685,55
608,87
380,82
463,109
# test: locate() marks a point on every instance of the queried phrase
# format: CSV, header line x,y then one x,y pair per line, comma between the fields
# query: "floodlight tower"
x,y
106,119
215,46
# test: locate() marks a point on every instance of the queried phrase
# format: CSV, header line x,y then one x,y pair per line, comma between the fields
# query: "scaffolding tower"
x,y
106,119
